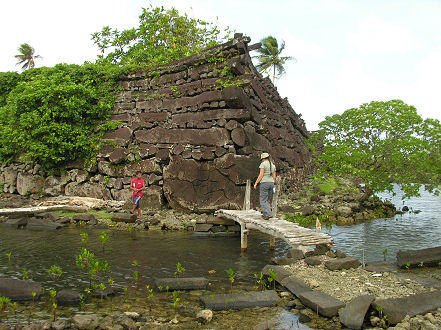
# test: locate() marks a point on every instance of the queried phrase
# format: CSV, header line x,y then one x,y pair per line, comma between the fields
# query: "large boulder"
x,y
204,186
29,184
86,322
352,316
423,257
19,290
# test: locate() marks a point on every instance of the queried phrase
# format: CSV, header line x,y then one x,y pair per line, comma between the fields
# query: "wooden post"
x,y
274,214
243,238
246,202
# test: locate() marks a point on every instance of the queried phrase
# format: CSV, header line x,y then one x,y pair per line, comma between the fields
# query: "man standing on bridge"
x,y
266,178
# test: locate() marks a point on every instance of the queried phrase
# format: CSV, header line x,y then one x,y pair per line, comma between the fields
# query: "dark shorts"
x,y
136,201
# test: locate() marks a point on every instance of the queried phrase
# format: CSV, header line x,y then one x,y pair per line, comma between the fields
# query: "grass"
x,y
99,214
328,186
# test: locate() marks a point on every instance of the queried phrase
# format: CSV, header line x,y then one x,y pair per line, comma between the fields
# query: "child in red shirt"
x,y
137,185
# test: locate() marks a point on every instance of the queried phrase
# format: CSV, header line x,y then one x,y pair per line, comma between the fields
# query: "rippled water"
x,y
403,232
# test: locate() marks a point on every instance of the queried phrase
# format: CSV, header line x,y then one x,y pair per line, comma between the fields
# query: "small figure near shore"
x,y
137,185
266,179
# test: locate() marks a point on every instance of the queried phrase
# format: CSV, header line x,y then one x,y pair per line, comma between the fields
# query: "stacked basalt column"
x,y
196,127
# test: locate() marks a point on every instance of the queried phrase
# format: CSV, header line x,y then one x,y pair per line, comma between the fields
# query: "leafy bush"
x,y
53,115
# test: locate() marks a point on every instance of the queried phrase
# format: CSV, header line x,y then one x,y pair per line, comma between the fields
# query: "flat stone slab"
x,y
124,217
17,223
68,297
209,234
181,283
352,316
397,308
281,272
342,263
295,285
19,290
252,299
43,224
313,260
325,304
418,258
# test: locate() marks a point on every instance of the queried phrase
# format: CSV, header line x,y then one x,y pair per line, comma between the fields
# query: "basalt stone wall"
x,y
195,128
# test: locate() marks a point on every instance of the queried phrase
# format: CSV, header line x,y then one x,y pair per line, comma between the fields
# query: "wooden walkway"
x,y
290,232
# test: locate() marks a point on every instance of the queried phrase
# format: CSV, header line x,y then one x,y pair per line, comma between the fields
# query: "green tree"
x,y
26,56
270,57
381,143
162,36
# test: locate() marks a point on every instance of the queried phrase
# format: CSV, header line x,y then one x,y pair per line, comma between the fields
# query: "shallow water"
x,y
403,232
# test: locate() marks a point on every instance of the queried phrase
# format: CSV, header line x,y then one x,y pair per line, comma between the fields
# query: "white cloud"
x,y
299,48
380,37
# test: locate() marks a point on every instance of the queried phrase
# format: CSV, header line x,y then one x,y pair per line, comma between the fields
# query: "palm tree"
x,y
269,57
26,56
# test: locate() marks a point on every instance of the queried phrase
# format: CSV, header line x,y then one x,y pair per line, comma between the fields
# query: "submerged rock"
x,y
19,290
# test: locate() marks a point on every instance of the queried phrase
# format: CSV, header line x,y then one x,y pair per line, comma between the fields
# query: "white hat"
x,y
264,155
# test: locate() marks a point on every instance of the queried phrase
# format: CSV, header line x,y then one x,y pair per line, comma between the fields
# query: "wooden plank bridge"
x,y
291,233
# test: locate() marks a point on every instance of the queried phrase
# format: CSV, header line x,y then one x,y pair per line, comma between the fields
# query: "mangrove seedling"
x,y
136,277
4,303
102,288
103,237
260,281
421,264
149,292
272,278
53,295
380,311
33,297
180,270
9,256
176,298
384,254
84,238
231,277
25,274
55,272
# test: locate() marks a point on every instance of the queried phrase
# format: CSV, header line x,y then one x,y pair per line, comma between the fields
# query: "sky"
x,y
348,52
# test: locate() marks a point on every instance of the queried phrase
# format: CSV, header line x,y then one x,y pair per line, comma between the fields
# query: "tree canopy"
x,y
26,56
270,57
162,36
381,143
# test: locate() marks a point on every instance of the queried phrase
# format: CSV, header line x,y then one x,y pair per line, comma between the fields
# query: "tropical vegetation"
x,y
270,59
27,56
379,144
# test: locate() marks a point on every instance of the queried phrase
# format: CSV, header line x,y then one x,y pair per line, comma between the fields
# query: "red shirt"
x,y
138,184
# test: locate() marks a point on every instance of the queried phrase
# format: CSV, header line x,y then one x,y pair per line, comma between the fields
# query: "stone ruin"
x,y
194,127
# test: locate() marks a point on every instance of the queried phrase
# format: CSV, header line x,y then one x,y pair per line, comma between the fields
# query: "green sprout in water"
x,y
149,292
260,281
384,254
53,295
9,256
84,239
103,237
176,298
25,274
272,278
102,288
180,270
55,272
231,277
4,303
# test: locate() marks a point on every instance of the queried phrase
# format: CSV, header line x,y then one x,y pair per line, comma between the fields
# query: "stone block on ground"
x,y
124,217
19,290
296,254
203,227
86,321
43,224
281,272
68,297
342,263
397,308
313,261
295,285
184,283
17,223
323,303
85,217
240,300
220,221
415,258
352,316
283,261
